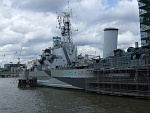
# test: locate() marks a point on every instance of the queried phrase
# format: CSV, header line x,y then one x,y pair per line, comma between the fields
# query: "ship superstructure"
x,y
60,66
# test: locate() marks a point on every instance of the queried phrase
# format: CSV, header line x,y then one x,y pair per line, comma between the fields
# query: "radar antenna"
x,y
65,25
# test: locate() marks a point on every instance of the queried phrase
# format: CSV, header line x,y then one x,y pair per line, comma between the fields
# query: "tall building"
x,y
12,68
144,13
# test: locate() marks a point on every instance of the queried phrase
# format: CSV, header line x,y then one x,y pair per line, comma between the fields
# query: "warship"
x,y
60,66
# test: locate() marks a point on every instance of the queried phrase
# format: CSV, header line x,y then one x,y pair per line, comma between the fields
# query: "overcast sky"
x,y
27,26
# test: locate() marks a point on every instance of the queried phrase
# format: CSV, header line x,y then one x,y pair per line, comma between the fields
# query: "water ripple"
x,y
49,100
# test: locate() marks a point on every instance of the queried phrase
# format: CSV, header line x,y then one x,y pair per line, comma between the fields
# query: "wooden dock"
x,y
23,83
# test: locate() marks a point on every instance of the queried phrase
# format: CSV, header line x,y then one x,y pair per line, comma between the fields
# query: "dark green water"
x,y
48,100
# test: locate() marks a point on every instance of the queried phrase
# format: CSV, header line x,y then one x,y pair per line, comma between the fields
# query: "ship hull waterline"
x,y
72,79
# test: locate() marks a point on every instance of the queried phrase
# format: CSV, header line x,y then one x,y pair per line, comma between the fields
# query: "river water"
x,y
50,100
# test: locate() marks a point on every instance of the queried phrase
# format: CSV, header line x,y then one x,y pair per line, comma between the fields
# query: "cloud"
x,y
125,39
9,37
31,24
89,50
40,5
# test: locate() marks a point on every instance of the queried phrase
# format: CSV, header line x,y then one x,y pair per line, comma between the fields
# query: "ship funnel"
x,y
110,41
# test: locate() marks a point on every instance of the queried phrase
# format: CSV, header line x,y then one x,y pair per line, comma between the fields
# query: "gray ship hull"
x,y
73,78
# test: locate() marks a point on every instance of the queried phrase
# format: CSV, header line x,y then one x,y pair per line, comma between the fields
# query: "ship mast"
x,y
65,25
